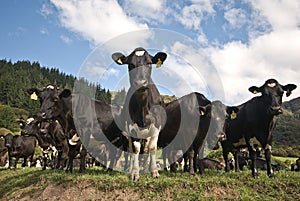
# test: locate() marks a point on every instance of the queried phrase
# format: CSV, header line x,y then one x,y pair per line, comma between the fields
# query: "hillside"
x,y
98,184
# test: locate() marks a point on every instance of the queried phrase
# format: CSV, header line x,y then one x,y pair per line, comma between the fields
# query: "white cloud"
x,y
46,10
191,16
236,17
273,55
44,31
153,11
96,21
66,39
280,14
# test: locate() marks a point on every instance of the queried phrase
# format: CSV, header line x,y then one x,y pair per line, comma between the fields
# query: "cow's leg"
x,y
236,161
72,153
10,161
186,165
225,157
164,157
252,153
152,150
83,154
135,168
172,161
16,163
191,161
268,160
45,159
64,156
201,166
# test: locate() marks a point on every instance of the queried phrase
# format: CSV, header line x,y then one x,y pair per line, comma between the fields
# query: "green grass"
x,y
213,185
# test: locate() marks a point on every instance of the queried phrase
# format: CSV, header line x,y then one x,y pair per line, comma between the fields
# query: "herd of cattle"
x,y
69,122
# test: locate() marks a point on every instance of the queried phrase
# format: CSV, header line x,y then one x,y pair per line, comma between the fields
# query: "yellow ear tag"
x,y
233,115
158,63
33,96
288,92
202,113
119,61
255,92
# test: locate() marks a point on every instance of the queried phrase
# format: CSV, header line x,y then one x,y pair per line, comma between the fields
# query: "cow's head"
x,y
272,93
49,98
9,138
30,127
220,113
139,66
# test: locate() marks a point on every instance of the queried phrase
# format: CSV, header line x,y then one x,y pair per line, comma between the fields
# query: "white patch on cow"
x,y
38,163
7,164
54,151
74,140
50,87
29,120
272,84
139,53
144,133
137,146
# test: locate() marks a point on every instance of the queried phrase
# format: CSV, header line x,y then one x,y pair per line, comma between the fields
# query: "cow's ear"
x,y
65,93
34,93
232,111
254,89
203,110
159,59
119,58
289,88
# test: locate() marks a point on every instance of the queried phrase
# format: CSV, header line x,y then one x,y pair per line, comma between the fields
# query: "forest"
x,y
15,103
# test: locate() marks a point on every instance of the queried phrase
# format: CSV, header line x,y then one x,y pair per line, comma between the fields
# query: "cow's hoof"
x,y
272,176
155,174
135,175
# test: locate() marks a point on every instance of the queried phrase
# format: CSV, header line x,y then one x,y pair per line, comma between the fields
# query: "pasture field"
x,y
97,184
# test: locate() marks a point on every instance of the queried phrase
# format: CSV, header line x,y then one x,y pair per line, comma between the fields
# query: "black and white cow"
x,y
143,112
255,123
48,133
82,115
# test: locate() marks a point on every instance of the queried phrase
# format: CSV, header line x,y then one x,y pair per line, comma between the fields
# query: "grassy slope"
x,y
180,186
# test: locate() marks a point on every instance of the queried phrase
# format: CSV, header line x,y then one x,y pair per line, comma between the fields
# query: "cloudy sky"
x,y
217,47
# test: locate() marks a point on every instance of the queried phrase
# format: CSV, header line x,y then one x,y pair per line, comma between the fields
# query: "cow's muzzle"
x,y
275,110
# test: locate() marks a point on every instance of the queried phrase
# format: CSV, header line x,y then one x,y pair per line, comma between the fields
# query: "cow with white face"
x,y
143,113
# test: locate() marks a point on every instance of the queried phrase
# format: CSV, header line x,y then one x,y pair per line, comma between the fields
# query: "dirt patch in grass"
x,y
68,192
220,192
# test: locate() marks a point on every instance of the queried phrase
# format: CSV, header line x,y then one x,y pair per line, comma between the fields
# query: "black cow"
x,y
48,133
255,123
210,163
296,166
193,124
75,112
20,146
143,111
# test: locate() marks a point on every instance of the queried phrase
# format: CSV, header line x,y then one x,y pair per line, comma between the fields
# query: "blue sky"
x,y
233,44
